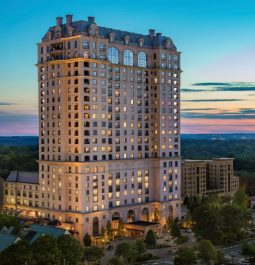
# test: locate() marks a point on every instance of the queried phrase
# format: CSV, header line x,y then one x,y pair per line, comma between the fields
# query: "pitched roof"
x,y
23,177
82,26
7,240
49,230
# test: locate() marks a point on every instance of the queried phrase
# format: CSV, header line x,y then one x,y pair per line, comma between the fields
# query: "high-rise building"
x,y
109,126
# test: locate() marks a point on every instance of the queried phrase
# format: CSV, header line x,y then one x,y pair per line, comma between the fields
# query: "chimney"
x,y
158,35
152,33
91,19
59,21
69,20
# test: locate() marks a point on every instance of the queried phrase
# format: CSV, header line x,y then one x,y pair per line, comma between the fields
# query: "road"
x,y
234,251
165,261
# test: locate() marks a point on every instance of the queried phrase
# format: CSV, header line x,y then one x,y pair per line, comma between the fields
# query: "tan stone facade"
x,y
109,119
204,177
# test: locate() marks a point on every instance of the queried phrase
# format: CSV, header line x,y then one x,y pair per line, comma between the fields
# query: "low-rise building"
x,y
21,191
204,177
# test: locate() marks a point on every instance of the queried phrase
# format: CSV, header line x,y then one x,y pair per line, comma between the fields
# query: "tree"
x,y
241,199
103,231
87,240
170,221
175,229
185,256
234,221
109,229
92,254
156,215
220,257
7,220
127,251
45,251
150,238
207,251
188,220
70,250
248,250
140,246
208,222
120,227
16,254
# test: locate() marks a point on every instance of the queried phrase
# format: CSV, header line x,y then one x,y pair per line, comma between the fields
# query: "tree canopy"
x,y
185,256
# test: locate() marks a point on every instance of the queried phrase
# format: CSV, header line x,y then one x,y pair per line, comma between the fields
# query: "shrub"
x,y
87,240
150,238
181,240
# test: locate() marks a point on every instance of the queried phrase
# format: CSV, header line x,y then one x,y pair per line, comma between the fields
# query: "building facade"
x,y
204,177
21,192
109,125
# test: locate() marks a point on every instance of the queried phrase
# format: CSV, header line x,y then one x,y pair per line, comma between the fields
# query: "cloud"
x,y
221,116
244,113
211,84
234,89
205,109
217,86
192,90
211,100
2,103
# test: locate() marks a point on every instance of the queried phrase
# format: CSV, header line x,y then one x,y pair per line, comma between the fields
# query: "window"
x,y
102,47
85,44
128,57
113,55
142,59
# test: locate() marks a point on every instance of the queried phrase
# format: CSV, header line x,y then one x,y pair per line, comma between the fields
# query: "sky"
x,y
216,39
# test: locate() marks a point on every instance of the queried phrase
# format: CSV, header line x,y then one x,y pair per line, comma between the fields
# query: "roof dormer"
x,y
127,39
93,30
168,43
141,42
112,36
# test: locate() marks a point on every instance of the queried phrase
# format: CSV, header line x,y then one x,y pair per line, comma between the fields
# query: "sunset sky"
x,y
216,38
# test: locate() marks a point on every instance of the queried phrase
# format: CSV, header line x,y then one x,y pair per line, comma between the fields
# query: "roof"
x,y
48,230
7,240
37,231
82,27
23,177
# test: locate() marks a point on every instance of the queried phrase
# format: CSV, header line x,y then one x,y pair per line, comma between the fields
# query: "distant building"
x,y
204,177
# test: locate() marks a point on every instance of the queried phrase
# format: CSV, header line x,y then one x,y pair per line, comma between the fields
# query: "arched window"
x,y
142,59
130,216
128,57
113,55
145,214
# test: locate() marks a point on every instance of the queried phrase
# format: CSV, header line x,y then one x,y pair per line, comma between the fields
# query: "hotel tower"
x,y
109,127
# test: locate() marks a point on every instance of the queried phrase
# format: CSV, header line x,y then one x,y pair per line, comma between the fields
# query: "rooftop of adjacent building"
x,y
82,27
206,160
23,177
7,240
